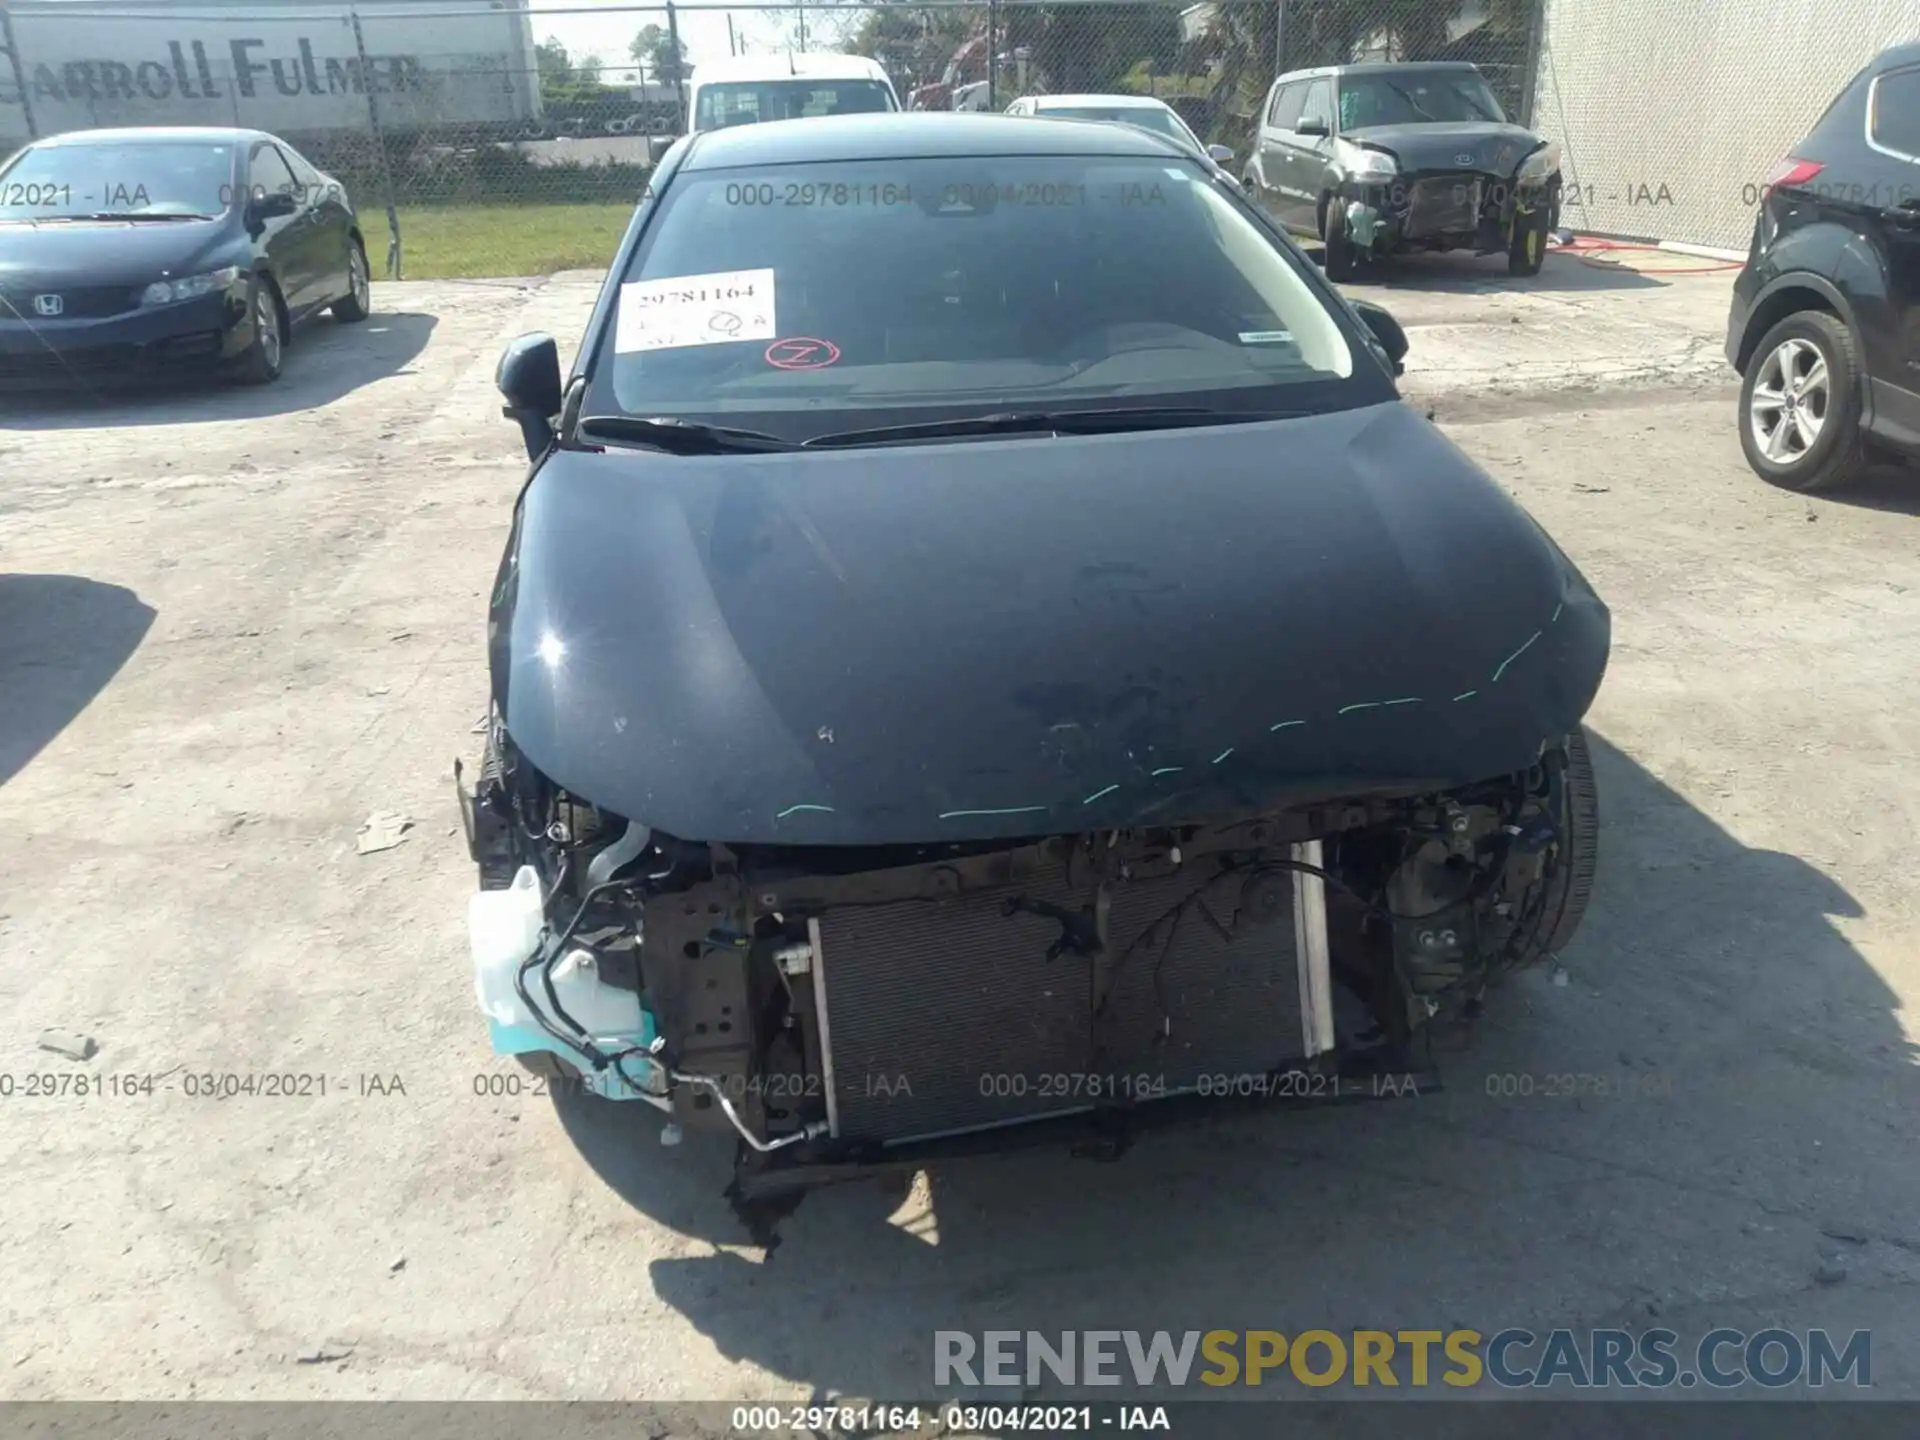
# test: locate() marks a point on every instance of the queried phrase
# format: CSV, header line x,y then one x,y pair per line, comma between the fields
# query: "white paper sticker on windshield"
x,y
714,309
1266,337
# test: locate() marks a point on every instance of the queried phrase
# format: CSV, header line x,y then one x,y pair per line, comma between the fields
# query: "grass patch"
x,y
464,242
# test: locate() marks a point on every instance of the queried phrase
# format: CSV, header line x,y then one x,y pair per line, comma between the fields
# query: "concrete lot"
x,y
234,625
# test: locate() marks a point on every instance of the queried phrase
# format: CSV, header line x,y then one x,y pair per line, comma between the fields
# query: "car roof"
x,y
141,134
1896,56
914,135
1379,67
1110,102
812,65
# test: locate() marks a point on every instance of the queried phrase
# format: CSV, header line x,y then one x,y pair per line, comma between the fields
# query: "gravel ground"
x,y
234,625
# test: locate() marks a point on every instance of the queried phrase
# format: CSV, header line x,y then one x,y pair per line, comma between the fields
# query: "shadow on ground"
x,y
1890,485
1460,273
325,361
62,638
1743,1083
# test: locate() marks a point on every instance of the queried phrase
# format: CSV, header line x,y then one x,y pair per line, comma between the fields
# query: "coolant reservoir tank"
x,y
503,928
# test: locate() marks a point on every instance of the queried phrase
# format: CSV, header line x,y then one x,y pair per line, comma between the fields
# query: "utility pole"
x,y
1280,37
993,48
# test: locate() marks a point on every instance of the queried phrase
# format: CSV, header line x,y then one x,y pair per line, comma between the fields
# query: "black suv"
x,y
1825,323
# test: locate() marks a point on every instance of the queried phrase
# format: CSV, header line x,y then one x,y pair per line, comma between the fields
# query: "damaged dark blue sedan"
x,y
984,653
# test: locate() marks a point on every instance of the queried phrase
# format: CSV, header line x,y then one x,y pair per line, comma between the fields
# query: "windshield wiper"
x,y
1051,422
1412,104
684,437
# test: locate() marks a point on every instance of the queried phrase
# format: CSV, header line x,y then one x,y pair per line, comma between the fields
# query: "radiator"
x,y
943,1017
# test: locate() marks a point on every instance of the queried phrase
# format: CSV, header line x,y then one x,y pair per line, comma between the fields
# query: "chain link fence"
x,y
482,145
1672,117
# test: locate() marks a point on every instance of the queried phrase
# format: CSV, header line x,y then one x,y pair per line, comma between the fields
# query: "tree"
x,y
554,64
912,45
659,57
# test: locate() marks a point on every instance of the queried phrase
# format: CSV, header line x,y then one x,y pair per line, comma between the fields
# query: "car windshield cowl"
x,y
1042,422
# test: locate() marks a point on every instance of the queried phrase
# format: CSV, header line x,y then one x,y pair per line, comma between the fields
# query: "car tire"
x,y
357,303
1527,249
1342,262
1569,884
1810,356
260,362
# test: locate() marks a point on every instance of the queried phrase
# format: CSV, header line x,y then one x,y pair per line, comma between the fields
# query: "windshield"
x,y
1145,117
1416,97
125,178
821,299
747,102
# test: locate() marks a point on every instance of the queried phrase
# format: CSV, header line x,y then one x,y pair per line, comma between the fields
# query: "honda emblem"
x,y
48,304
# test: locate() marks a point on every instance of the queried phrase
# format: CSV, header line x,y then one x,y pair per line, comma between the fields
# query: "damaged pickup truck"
x,y
1381,159
994,659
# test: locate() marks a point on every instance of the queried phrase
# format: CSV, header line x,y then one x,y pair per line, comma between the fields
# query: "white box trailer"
x,y
290,66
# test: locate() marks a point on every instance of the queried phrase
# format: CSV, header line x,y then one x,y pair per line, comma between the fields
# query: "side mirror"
x,y
657,147
1310,127
272,205
529,379
1220,154
1386,330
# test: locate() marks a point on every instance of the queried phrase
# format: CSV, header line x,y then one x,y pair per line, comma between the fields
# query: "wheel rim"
x,y
267,321
357,273
1788,408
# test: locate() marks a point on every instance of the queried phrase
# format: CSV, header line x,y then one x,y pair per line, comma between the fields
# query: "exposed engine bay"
x,y
838,1008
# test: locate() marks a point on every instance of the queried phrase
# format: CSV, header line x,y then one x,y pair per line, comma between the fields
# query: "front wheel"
x,y
1800,405
260,361
1568,885
1527,247
1343,259
357,303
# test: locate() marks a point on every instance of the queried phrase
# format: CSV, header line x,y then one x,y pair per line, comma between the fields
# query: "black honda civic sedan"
x,y
983,644
156,251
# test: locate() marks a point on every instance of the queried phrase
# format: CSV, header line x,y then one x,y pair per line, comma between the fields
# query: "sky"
x,y
609,28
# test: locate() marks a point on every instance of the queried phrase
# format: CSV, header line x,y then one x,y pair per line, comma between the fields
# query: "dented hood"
x,y
1009,637
1496,149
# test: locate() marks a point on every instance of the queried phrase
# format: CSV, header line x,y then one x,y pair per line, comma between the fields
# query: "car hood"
x,y
1496,149
1016,637
108,252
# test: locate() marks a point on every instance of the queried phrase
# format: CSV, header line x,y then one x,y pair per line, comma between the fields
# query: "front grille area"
x,y
949,1016
104,362
91,361
77,302
1446,203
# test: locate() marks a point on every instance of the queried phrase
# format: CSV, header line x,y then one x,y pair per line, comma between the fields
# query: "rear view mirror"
x,y
1310,127
272,205
1220,154
657,147
529,381
1386,330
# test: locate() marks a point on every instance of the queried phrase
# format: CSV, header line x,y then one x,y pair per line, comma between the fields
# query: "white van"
x,y
747,89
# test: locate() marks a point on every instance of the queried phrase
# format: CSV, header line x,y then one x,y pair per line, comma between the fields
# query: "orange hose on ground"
x,y
1586,249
